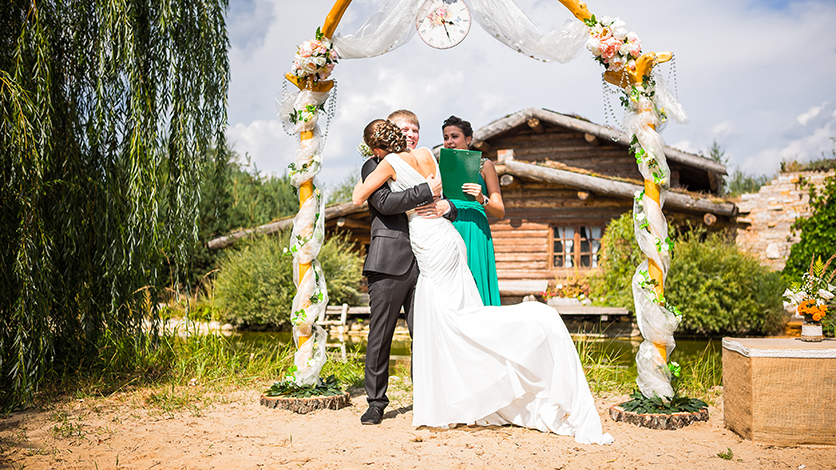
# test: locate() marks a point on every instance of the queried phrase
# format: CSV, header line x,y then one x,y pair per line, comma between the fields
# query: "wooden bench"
x,y
341,312
338,314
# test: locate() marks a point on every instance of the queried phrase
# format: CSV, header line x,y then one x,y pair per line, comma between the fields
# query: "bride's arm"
x,y
387,202
376,179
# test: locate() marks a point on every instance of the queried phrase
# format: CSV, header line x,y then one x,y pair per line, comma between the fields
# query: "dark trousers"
x,y
387,294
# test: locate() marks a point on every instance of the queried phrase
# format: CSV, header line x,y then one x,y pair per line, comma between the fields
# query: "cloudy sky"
x,y
757,76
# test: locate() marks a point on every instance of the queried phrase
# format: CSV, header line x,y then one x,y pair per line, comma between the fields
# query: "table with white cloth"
x,y
780,391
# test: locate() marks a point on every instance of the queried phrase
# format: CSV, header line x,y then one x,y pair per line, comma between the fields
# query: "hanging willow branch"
x,y
107,114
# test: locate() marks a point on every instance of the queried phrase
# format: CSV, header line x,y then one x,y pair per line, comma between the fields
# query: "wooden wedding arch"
x,y
650,225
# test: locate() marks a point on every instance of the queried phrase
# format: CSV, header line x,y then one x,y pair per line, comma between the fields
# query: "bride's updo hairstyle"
x,y
384,135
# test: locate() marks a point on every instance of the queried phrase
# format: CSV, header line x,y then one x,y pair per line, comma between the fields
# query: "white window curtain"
x,y
595,243
393,25
569,246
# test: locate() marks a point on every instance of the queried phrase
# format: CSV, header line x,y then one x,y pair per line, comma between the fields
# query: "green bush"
x,y
718,288
721,289
618,258
255,282
818,237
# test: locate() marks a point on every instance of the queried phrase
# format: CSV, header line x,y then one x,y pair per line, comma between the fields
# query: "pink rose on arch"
x,y
305,49
609,47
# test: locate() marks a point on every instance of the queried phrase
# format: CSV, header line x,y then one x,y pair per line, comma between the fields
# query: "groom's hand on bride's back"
x,y
435,209
435,184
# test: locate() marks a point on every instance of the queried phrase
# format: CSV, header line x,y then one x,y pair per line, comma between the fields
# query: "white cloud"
x,y
817,141
686,146
265,142
722,130
811,113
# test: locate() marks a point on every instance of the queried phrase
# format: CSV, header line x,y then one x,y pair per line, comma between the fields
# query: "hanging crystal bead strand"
x,y
607,94
330,110
672,76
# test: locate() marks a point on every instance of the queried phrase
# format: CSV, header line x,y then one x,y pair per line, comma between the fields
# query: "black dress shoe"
x,y
373,415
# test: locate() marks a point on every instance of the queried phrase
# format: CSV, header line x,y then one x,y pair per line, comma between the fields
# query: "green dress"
x,y
472,224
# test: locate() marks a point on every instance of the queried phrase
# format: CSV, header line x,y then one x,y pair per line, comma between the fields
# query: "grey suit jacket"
x,y
389,249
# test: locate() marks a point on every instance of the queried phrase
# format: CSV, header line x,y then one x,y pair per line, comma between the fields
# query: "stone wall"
x,y
765,218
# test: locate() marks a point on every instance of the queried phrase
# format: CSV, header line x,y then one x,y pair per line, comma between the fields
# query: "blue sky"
x,y
759,77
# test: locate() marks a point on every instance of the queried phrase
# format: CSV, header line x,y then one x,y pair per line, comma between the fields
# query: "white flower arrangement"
x,y
364,150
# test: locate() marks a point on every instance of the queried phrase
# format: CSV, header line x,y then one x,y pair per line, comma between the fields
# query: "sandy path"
x,y
235,432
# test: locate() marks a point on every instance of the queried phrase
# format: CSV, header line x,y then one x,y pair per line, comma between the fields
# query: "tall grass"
x,y
607,376
182,369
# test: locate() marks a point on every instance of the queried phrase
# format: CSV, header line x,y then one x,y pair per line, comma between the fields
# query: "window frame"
x,y
577,254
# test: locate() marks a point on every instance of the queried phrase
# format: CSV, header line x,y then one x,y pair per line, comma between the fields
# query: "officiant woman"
x,y
472,221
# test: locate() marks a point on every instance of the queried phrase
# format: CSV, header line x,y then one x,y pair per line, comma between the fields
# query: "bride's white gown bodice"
x,y
487,365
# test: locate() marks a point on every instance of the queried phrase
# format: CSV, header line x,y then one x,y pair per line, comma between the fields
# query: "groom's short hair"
x,y
406,115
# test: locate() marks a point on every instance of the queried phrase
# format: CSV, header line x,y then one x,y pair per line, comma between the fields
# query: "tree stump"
x,y
658,421
306,405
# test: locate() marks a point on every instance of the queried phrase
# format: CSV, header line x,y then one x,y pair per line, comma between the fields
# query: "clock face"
x,y
443,23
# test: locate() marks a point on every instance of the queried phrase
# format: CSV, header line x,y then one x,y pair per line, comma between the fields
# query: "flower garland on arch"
x,y
647,105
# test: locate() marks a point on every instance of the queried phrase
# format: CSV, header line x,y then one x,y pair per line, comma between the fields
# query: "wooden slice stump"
x,y
658,421
306,405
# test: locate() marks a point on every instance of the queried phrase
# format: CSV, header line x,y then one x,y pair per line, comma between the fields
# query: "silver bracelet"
x,y
485,201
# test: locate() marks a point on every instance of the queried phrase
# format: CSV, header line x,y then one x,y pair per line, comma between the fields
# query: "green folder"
x,y
458,167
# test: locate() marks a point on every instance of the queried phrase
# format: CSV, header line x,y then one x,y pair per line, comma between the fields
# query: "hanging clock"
x,y
443,24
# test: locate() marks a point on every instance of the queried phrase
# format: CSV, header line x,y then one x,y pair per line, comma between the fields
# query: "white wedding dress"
x,y
513,364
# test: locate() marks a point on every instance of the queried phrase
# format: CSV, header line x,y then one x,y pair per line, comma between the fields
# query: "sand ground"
x,y
231,430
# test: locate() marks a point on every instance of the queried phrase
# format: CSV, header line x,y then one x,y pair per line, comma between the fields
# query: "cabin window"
x,y
576,246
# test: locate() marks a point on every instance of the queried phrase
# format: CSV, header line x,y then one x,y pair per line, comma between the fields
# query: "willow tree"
x,y
109,109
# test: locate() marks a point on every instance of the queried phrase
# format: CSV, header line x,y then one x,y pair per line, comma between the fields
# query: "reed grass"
x,y
701,377
183,371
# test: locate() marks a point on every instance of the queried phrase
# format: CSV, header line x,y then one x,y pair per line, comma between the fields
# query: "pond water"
x,y
621,352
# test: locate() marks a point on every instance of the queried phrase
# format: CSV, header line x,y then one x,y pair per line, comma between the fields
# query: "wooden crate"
x,y
780,391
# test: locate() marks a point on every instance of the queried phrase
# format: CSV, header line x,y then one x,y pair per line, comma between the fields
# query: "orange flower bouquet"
x,y
812,295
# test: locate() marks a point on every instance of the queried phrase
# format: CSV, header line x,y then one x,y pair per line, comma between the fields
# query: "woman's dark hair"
x,y
465,126
384,135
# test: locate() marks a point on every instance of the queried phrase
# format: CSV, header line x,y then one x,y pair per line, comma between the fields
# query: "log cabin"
x,y
563,179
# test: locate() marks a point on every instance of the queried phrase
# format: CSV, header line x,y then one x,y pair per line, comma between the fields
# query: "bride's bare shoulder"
x,y
424,154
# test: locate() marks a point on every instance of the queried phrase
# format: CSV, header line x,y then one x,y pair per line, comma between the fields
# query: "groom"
x,y
390,268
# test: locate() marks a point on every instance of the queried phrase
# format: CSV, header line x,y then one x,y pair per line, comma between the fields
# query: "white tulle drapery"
x,y
300,112
504,20
393,25
647,113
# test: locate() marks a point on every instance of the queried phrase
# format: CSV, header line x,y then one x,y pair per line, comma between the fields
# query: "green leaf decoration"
x,y
324,388
655,405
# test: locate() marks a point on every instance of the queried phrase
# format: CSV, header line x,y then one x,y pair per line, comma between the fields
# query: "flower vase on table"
x,y
811,297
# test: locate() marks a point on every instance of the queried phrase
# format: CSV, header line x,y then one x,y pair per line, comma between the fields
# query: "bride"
x,y
513,364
